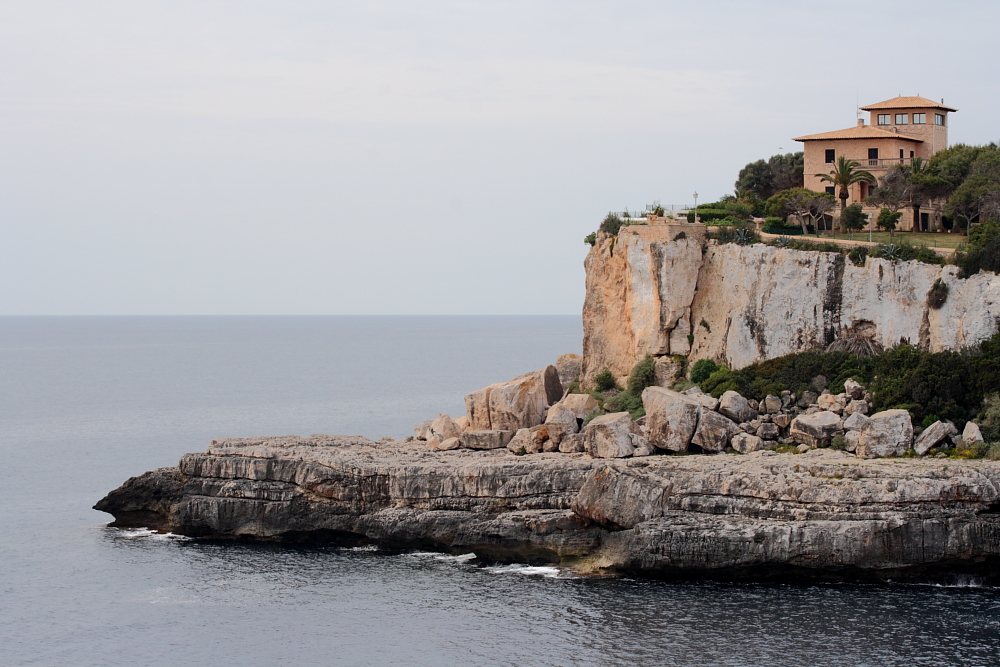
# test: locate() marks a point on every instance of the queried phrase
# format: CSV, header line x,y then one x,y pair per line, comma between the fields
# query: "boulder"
x,y
855,422
737,408
714,432
568,367
707,401
422,430
485,439
857,406
610,436
808,398
477,409
887,433
932,435
768,431
816,429
854,390
581,404
560,421
571,444
851,441
527,440
522,402
692,391
745,443
971,434
461,423
782,421
831,403
802,449
549,446
671,418
772,404
667,371
450,443
444,427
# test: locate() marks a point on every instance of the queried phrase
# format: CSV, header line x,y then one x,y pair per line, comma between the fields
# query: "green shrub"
x,y
858,255
591,238
976,258
838,442
937,294
626,402
643,374
984,232
604,380
706,214
611,224
929,419
989,419
702,369
775,221
993,453
719,382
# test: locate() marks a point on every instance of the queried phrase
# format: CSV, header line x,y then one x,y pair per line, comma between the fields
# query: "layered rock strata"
x,y
821,514
651,293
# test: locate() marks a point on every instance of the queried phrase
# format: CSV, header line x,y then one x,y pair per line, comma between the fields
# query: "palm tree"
x,y
843,176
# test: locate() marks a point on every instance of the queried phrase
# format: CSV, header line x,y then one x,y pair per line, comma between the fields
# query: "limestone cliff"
x,y
823,514
646,292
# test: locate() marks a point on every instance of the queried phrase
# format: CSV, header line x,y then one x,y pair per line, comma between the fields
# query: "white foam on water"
x,y
528,570
367,547
434,555
136,533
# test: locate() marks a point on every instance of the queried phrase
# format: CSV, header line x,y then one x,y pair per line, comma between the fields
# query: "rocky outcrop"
x,y
646,292
824,514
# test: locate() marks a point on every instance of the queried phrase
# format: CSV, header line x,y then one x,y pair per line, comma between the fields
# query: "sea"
x,y
87,402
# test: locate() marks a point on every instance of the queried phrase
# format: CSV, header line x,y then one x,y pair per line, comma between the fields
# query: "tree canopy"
x,y
765,178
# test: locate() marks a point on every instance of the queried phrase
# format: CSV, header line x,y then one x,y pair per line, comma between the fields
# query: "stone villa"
x,y
900,130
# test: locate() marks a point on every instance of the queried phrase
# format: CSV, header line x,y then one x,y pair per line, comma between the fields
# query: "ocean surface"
x,y
86,403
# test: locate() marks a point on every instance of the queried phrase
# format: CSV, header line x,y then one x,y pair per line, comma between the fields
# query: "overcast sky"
x,y
413,157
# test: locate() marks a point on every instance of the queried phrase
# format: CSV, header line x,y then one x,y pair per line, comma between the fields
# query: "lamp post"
x,y
696,206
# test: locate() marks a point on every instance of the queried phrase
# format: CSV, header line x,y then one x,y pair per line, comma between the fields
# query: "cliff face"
x,y
823,514
745,304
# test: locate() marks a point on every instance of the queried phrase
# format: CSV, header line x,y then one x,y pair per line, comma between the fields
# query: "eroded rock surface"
x,y
823,513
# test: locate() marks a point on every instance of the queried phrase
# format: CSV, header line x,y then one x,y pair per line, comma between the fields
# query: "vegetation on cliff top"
x,y
949,385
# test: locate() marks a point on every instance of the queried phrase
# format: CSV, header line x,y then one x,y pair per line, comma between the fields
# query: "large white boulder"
x,y
560,421
714,432
520,403
815,430
855,422
485,439
444,427
568,367
737,408
971,433
611,436
887,433
581,404
745,443
932,435
671,418
854,390
529,440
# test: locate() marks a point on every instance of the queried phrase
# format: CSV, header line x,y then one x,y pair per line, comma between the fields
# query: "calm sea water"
x,y
87,402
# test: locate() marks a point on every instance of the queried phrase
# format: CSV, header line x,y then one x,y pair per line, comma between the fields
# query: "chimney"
x,y
861,122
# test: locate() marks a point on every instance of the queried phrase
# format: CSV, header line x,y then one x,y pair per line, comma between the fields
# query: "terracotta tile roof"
x,y
858,132
907,103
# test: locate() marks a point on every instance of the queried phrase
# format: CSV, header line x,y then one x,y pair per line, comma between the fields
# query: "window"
x,y
939,119
831,190
831,155
911,155
883,119
872,155
902,119
919,119
900,153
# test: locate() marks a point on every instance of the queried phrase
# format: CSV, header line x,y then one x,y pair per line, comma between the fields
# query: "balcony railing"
x,y
883,162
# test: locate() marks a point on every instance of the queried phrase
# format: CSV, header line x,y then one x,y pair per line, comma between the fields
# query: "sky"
x,y
308,158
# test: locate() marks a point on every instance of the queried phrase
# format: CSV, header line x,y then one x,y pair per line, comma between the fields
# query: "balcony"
x,y
883,163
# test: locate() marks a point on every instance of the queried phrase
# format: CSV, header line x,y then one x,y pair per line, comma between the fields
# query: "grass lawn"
x,y
932,240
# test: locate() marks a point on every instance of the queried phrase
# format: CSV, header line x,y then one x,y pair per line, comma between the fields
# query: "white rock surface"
x,y
932,435
581,404
815,430
520,403
560,421
745,443
671,418
443,427
714,431
610,436
491,439
737,408
971,433
855,422
855,390
887,433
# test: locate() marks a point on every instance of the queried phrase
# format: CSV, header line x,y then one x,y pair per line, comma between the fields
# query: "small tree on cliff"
x,y
845,174
888,219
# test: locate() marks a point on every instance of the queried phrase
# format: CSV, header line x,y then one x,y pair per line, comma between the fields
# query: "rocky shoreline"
x,y
518,479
